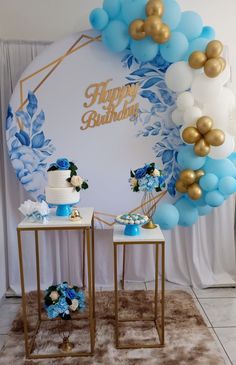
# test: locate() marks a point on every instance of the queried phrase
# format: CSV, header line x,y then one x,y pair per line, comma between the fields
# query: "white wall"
x,y
47,20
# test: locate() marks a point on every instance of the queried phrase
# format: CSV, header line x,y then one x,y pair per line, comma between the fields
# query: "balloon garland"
x,y
198,73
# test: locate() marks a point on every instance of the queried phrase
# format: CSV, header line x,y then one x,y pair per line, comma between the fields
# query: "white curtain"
x,y
202,256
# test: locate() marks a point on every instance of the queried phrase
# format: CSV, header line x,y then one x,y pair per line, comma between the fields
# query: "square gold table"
x,y
147,237
86,225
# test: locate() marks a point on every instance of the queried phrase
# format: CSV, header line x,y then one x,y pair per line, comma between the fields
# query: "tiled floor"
x,y
217,306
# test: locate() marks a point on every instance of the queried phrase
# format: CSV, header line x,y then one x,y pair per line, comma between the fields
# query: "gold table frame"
x,y
88,236
160,329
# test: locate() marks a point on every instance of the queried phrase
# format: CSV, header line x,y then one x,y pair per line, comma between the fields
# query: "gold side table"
x,y
86,225
147,237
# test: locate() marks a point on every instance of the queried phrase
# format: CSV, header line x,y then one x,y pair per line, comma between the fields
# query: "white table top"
x,y
146,235
62,222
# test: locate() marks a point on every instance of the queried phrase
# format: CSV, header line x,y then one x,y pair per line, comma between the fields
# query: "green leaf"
x,y
69,179
84,185
132,173
77,189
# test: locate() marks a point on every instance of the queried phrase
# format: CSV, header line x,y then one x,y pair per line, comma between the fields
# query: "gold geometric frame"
x,y
53,65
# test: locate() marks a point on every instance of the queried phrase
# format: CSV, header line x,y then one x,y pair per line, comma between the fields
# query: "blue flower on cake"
x,y
63,164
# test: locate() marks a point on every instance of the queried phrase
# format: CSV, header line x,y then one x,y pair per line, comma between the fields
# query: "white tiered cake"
x,y
59,191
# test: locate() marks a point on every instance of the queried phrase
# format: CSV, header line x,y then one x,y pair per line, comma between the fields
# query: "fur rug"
x,y
188,340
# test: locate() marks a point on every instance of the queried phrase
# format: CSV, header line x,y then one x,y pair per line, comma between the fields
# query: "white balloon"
x,y
178,117
191,115
231,127
220,108
223,151
179,76
204,90
185,100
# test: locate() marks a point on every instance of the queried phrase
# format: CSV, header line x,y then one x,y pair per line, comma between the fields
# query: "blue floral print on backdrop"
x,y
28,147
156,120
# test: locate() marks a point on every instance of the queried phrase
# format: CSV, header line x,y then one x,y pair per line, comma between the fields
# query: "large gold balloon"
x,y
215,137
136,29
197,60
214,49
187,176
152,25
223,63
162,35
181,187
199,174
204,124
194,191
213,67
202,148
191,135
155,7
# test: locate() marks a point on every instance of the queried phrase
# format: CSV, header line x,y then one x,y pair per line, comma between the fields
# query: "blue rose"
x,y
63,164
140,173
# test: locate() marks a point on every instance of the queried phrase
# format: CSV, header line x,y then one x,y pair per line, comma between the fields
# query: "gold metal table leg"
x,y
123,267
38,272
90,294
116,296
156,280
83,259
23,294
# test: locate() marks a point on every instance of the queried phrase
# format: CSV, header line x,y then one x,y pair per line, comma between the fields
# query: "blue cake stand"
x,y
132,223
64,210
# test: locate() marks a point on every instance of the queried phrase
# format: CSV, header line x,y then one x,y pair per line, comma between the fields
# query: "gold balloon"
x,y
199,174
162,35
215,137
152,25
204,124
194,191
197,60
155,7
136,29
191,135
181,187
223,63
202,148
187,176
214,49
213,67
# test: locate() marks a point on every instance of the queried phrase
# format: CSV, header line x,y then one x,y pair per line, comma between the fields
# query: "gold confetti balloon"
x,y
195,192
162,35
204,124
213,67
136,29
214,49
152,25
197,60
155,7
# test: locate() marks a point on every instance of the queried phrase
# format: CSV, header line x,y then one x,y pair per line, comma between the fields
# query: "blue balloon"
x,y
232,158
188,213
208,32
132,10
116,36
172,13
188,160
112,7
214,198
198,44
175,49
166,215
98,19
204,210
209,182
220,168
190,24
144,50
227,185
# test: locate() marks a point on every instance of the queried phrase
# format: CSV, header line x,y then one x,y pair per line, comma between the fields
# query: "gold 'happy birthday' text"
x,y
121,98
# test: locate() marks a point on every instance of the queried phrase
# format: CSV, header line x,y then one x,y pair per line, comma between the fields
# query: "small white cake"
x,y
59,191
